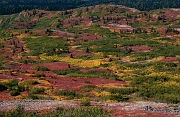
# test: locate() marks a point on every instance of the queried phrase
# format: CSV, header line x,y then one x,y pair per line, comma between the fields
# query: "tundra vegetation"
x,y
107,53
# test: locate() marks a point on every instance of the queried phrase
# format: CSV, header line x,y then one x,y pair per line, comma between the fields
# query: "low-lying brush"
x,y
68,94
35,90
59,112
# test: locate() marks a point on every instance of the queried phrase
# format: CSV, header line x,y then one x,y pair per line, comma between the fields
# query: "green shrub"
x,y
69,94
18,112
29,82
67,71
41,78
75,72
32,96
123,90
118,97
50,46
11,84
2,87
85,101
14,93
88,88
35,90
38,75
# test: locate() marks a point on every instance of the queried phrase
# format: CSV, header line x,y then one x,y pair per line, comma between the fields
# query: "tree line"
x,y
15,6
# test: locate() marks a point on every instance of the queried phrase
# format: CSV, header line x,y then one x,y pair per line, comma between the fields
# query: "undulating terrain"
x,y
97,55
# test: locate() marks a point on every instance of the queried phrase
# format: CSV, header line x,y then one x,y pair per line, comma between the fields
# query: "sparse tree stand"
x,y
69,66
87,50
110,59
71,56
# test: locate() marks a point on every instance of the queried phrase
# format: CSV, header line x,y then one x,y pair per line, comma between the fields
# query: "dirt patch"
x,y
89,37
76,53
140,48
40,32
55,65
96,69
5,96
23,25
169,59
71,83
34,105
172,14
141,109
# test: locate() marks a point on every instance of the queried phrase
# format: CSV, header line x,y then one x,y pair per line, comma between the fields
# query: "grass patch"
x,y
47,45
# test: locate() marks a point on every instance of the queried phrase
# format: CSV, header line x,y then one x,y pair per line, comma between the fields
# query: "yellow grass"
x,y
22,36
4,70
57,97
101,94
76,62
74,47
4,80
127,71
35,37
29,75
170,84
54,36
39,81
43,82
158,58
20,97
111,85
111,101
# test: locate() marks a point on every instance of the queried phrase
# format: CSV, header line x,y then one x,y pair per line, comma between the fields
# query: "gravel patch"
x,y
34,105
146,106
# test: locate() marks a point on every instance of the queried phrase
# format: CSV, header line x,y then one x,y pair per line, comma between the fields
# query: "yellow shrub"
x,y
76,62
101,94
4,80
111,101
43,82
111,85
57,97
22,36
28,74
171,83
20,97
5,70
127,71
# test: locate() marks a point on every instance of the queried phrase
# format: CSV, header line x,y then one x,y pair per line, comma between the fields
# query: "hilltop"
x,y
96,55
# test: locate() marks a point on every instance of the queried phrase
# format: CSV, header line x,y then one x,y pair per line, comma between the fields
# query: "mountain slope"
x,y
105,53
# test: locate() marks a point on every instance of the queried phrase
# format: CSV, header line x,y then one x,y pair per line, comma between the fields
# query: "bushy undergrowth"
x,y
75,72
14,87
35,90
68,94
50,46
59,112
158,88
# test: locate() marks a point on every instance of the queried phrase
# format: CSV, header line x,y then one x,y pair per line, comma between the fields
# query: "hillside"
x,y
97,55
15,6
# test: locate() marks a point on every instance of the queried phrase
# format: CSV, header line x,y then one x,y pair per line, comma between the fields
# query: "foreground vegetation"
x,y
60,112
